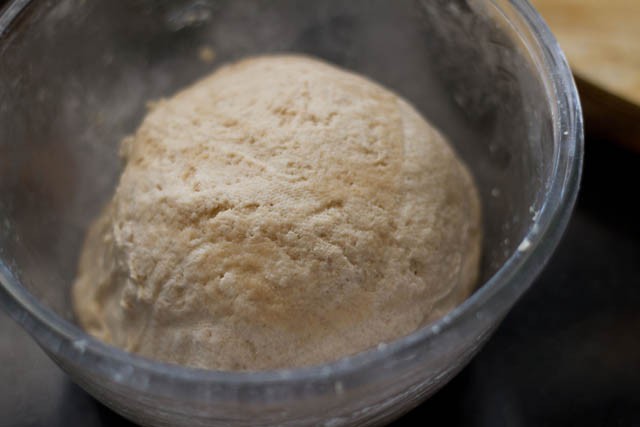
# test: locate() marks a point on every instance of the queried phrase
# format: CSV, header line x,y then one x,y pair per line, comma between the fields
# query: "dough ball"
x,y
281,212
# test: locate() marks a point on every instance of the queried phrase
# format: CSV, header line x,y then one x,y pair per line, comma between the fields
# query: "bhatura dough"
x,y
279,213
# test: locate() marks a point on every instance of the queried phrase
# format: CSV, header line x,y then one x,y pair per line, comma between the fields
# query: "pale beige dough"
x,y
281,212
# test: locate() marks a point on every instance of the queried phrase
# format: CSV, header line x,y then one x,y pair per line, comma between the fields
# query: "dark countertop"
x,y
567,355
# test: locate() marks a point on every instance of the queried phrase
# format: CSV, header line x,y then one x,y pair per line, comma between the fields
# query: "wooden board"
x,y
601,39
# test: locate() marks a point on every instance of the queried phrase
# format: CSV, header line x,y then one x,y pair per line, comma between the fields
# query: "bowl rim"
x,y
57,335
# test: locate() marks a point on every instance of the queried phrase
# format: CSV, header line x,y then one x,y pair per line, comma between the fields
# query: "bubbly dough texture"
x,y
279,213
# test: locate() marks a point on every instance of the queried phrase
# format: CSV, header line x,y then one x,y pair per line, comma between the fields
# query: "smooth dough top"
x,y
281,212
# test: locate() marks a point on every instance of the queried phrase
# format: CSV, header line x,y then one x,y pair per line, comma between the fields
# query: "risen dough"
x,y
280,212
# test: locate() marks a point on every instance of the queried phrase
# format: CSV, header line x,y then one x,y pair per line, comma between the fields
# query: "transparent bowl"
x,y
74,79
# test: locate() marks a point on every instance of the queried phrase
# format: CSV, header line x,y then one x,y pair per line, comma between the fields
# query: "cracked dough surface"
x,y
281,212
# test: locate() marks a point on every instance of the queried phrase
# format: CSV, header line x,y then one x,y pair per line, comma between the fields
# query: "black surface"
x,y
567,355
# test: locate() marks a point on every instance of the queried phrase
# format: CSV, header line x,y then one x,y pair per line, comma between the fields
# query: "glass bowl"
x,y
75,76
